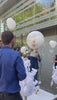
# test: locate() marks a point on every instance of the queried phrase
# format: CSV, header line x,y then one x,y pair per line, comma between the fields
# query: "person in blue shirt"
x,y
12,69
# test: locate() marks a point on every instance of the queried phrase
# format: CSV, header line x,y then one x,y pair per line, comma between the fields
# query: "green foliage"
x,y
18,43
24,43
19,17
29,12
38,8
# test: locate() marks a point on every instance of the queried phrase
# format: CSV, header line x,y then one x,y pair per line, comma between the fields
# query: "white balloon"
x,y
52,43
35,39
11,24
23,49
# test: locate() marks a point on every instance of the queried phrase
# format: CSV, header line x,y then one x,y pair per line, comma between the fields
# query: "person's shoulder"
x,y
16,53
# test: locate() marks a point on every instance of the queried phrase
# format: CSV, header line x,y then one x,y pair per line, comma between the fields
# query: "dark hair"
x,y
6,37
17,48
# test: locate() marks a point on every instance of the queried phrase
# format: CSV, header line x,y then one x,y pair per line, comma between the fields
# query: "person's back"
x,y
8,70
12,69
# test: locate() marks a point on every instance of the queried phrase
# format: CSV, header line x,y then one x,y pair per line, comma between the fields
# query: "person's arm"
x,y
55,60
21,72
39,58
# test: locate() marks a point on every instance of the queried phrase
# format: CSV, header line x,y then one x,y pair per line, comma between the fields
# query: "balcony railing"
x,y
35,22
43,19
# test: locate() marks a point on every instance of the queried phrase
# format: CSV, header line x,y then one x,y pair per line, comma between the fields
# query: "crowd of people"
x,y
12,69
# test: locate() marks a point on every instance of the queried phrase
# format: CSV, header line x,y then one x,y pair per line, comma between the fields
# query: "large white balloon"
x,y
11,24
35,39
52,43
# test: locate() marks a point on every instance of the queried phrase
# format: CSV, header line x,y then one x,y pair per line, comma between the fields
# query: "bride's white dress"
x,y
29,85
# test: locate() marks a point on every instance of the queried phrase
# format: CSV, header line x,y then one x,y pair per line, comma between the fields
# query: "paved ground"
x,y
42,95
